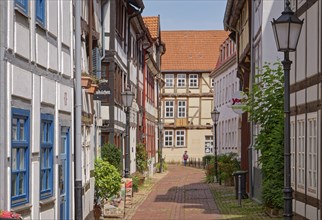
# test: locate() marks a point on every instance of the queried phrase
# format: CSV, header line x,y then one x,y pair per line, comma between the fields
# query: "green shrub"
x,y
207,159
135,183
141,158
164,166
267,96
227,165
107,180
112,154
210,173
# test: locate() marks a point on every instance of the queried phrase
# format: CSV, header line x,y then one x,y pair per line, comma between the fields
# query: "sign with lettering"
x,y
237,102
103,90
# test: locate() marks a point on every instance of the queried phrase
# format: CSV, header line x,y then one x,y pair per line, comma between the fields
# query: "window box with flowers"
x,y
92,89
6,215
86,80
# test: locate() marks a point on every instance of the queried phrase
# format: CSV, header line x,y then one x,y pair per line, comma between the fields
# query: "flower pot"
x,y
86,81
141,180
92,89
97,212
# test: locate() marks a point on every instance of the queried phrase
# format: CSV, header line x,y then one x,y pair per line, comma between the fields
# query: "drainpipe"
x,y
103,30
90,38
252,80
78,115
127,141
3,107
134,14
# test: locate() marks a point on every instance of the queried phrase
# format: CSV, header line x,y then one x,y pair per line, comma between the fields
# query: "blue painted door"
x,y
63,174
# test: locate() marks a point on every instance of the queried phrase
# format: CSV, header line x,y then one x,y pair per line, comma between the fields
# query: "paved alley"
x,y
181,194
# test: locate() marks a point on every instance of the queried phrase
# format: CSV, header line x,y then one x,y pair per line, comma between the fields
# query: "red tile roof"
x,y
152,23
191,50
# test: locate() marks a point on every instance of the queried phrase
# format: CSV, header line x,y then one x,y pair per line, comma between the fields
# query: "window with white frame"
x,y
40,12
20,147
168,138
180,138
181,80
169,107
312,154
193,80
181,109
212,83
22,5
209,143
46,155
301,153
169,78
292,143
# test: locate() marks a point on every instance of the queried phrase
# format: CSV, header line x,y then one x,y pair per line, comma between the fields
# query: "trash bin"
x,y
242,174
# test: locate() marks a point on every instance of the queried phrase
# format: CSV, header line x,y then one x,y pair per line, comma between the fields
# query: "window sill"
x,y
22,208
47,201
41,26
21,11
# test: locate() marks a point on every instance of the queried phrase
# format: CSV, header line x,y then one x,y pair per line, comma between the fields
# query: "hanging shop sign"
x,y
238,102
103,90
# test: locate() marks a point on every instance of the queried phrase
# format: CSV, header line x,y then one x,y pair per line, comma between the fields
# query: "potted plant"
x,y
6,215
86,80
92,88
141,158
107,184
228,164
112,154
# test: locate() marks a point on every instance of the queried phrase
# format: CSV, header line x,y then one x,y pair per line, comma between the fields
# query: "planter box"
x,y
86,81
92,89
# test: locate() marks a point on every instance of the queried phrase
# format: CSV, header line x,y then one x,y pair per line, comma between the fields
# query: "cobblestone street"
x,y
181,194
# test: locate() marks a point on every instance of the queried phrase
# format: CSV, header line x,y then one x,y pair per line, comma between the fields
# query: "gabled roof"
x,y
152,23
192,50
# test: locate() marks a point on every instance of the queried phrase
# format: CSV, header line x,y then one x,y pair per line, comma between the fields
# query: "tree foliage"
x,y
265,107
141,158
112,154
107,180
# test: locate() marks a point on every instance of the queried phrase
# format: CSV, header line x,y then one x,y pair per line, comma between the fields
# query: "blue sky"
x,y
187,14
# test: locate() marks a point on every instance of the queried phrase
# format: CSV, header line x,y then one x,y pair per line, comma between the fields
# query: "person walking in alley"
x,y
185,157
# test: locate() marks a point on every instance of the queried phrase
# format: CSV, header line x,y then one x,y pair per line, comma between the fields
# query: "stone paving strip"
x,y
180,195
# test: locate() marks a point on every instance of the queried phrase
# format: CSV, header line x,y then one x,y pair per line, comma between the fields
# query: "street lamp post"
x,y
215,116
287,29
127,98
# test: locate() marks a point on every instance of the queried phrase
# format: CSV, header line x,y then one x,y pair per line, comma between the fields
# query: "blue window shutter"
x,y
20,145
46,154
23,5
40,11
96,63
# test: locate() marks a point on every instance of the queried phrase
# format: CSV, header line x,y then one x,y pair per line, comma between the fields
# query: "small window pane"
x,y
14,159
42,158
47,179
14,129
22,159
62,145
47,132
43,132
13,185
21,183
22,129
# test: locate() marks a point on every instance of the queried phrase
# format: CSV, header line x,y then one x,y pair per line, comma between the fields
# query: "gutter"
x,y
252,124
136,13
103,30
227,16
